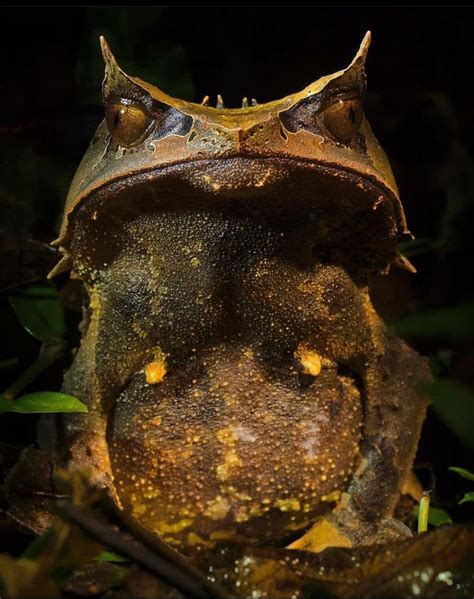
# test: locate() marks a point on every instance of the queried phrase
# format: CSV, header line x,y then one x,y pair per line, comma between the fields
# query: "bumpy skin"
x,y
240,385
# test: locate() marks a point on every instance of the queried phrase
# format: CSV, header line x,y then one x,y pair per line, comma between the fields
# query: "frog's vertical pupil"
x,y
117,118
352,114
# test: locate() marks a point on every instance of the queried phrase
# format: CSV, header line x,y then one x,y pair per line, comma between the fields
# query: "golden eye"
x,y
343,118
127,124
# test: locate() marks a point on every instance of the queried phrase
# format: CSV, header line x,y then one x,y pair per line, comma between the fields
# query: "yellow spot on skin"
x,y
331,497
194,539
231,460
241,515
153,494
256,510
309,360
219,535
163,527
94,303
139,509
226,436
217,509
288,505
155,371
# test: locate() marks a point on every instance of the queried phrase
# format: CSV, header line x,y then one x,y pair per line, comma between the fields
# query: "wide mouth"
x,y
347,218
258,182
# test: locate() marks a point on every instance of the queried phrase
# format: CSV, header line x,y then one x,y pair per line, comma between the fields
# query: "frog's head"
x,y
313,148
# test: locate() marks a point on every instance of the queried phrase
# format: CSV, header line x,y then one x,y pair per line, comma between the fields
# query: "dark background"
x,y
419,102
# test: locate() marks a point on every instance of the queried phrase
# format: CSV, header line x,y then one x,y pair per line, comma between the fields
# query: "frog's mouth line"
x,y
230,176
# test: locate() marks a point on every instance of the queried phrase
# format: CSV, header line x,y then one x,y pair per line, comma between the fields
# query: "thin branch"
x,y
152,540
50,352
178,575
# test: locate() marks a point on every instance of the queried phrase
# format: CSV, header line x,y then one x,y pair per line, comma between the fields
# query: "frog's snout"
x,y
238,176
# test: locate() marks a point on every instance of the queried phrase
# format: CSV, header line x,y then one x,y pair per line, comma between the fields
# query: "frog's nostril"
x,y
220,102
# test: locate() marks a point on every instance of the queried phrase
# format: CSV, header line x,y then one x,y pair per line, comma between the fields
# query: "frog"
x,y
240,385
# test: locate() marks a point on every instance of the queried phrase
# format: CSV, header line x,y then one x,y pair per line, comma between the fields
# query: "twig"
x,y
151,540
179,576
50,352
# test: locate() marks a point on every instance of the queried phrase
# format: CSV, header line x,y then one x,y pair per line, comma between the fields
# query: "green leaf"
x,y
42,402
447,323
454,405
110,556
39,311
462,472
467,497
438,517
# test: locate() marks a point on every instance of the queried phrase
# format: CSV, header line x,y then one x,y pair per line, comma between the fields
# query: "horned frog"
x,y
240,384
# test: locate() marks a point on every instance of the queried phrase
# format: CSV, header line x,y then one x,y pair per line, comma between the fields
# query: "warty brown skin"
x,y
240,384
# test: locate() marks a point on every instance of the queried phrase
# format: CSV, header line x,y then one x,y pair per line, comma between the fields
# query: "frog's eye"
x,y
127,123
343,118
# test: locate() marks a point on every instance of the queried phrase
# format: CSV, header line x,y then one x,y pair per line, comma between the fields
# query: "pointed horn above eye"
x,y
354,74
352,77
106,52
116,81
111,64
113,72
363,49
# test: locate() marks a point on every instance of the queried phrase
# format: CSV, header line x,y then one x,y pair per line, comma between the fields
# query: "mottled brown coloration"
x,y
239,383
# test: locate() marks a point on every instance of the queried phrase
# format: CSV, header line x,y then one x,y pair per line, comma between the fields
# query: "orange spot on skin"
x,y
155,372
309,360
